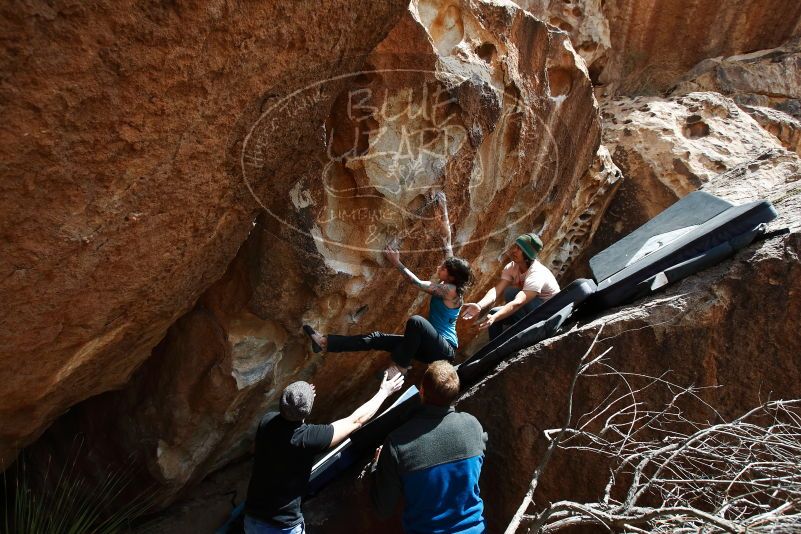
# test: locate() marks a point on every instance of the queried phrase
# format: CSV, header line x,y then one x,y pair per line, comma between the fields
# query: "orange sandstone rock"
x,y
122,197
475,99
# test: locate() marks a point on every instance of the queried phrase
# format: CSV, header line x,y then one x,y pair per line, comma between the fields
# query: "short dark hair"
x,y
440,384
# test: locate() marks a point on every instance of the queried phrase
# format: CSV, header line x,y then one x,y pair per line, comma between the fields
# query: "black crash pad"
x,y
474,369
692,210
675,244
540,323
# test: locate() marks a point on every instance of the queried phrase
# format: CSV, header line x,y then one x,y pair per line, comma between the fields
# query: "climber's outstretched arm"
x,y
442,217
446,291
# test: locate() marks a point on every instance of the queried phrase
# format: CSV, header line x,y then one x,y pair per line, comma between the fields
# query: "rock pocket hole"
x,y
486,52
512,131
596,69
539,223
341,182
365,78
561,24
560,81
452,109
695,129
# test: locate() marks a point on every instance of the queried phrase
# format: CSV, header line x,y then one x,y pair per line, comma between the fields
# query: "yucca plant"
x,y
71,505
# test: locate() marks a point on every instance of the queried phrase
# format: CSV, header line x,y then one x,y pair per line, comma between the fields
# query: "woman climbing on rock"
x,y
424,339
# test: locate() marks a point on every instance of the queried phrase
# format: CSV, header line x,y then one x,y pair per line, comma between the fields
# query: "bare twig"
x,y
582,367
742,475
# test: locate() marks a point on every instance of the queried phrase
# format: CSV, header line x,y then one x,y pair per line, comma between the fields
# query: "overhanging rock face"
x,y
478,100
667,148
122,196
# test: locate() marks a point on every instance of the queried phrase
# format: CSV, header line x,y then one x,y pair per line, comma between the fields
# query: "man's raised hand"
x,y
486,323
470,310
391,385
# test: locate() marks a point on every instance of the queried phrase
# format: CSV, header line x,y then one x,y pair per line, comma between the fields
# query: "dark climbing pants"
x,y
509,293
419,341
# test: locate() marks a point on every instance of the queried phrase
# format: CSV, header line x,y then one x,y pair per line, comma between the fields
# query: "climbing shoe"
x,y
309,331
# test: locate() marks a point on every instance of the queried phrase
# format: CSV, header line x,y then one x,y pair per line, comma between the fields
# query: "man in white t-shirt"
x,y
525,284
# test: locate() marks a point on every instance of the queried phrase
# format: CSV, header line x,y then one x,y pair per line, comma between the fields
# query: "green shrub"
x,y
68,505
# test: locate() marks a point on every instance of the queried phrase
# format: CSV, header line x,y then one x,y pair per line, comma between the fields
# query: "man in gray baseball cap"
x,y
285,450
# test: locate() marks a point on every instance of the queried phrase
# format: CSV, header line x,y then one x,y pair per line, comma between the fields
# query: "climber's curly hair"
x,y
459,270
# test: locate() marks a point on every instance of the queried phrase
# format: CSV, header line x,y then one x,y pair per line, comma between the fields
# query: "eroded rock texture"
x,y
667,148
585,22
591,206
766,84
770,77
122,195
636,47
478,100
670,147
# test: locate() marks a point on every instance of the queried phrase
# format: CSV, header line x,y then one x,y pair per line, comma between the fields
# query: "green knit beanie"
x,y
530,244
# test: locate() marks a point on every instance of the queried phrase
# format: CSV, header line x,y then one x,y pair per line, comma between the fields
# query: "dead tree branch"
x,y
673,473
582,367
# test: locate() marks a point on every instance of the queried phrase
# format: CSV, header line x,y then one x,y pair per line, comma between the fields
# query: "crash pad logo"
x,y
386,155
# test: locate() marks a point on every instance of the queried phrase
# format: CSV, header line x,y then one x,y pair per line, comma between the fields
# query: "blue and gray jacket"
x,y
434,462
